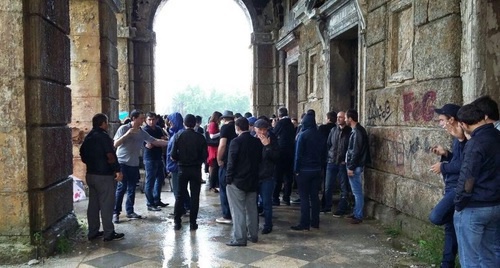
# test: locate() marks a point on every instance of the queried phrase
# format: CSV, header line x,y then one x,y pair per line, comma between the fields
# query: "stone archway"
x,y
261,15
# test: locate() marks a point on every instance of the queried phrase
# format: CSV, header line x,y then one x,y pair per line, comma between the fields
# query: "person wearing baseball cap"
x,y
270,156
449,168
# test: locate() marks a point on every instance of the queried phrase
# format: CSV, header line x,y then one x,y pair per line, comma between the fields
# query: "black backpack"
x,y
211,142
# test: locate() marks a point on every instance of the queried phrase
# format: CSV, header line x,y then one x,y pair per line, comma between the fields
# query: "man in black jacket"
x,y
242,178
270,156
477,200
285,131
190,152
98,153
357,156
336,144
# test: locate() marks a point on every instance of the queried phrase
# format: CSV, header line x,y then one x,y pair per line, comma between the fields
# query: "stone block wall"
x,y
94,64
36,159
413,66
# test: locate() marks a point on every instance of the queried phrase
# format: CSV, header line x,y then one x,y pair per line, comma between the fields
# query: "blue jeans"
x,y
266,188
357,191
226,212
332,172
308,183
175,189
442,214
154,181
477,230
130,178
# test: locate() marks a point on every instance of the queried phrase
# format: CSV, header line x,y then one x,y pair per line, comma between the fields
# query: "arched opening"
x,y
203,61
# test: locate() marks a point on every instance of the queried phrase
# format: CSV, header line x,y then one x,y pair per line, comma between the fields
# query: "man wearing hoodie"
x,y
176,125
307,167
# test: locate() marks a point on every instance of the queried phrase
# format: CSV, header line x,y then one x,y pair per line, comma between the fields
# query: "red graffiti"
x,y
419,110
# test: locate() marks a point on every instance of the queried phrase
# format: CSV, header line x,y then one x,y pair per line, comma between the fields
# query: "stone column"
x,y
143,70
125,33
94,63
36,194
265,66
480,52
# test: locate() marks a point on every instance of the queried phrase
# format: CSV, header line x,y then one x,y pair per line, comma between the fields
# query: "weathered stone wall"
x,y
413,66
125,32
37,195
14,197
94,63
310,64
480,63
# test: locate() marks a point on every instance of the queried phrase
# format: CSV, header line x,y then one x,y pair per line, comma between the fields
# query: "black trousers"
x,y
191,175
284,178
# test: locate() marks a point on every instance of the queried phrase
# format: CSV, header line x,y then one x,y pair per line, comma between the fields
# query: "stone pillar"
x,y
143,71
94,63
265,66
36,195
125,33
480,51
15,226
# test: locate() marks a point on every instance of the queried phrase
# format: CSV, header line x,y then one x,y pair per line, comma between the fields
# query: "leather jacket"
x,y
358,150
337,143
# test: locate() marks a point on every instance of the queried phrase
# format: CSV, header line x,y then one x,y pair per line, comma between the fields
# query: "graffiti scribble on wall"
x,y
378,111
419,109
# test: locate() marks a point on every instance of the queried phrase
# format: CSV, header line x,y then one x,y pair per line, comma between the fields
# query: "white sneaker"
x,y
223,220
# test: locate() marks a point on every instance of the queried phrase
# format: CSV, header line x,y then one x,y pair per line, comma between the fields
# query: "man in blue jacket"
x,y
449,167
309,159
477,200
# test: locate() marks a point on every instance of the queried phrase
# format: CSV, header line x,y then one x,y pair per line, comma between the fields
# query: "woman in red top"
x,y
213,144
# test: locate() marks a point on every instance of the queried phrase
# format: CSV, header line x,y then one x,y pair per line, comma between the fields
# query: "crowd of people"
x,y
254,163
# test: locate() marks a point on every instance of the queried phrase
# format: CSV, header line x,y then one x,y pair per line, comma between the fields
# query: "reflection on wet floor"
x,y
152,242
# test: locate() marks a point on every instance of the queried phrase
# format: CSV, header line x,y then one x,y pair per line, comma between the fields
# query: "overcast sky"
x,y
201,42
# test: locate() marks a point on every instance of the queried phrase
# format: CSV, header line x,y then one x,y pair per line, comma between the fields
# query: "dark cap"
x,y
449,109
261,123
227,114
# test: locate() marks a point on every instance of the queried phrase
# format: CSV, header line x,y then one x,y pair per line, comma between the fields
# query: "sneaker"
x,y
116,218
355,221
338,214
99,234
296,201
253,239
223,220
193,226
114,236
267,230
177,226
161,204
154,209
299,228
134,216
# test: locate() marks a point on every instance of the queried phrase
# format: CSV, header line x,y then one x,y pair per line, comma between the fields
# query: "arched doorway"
x,y
203,61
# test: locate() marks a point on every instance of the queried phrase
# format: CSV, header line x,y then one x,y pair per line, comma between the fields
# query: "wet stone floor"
x,y
153,242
